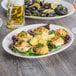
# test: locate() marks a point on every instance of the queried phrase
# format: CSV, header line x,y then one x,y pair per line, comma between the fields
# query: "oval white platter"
x,y
70,7
7,40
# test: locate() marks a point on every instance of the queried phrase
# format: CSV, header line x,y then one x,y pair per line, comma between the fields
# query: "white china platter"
x,y
7,40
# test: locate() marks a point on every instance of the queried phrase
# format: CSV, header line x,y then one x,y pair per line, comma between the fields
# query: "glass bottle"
x,y
15,14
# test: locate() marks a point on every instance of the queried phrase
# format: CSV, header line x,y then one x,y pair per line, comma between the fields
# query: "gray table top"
x,y
62,64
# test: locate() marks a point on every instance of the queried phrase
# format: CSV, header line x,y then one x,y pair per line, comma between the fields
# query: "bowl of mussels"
x,y
45,9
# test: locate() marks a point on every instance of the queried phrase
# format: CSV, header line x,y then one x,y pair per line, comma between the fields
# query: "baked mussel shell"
x,y
61,11
41,9
27,12
52,14
35,13
47,5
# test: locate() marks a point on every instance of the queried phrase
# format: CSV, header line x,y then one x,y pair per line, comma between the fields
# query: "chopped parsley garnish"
x,y
40,28
53,47
20,42
29,42
28,53
18,51
34,14
66,31
51,32
47,42
39,45
60,36
23,33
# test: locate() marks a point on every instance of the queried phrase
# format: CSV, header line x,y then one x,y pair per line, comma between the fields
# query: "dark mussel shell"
x,y
41,3
35,13
32,8
41,9
47,5
60,6
33,1
42,14
27,12
52,14
46,14
49,13
65,9
26,6
28,3
61,11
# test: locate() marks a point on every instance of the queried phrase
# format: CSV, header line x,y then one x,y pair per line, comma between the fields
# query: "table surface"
x,y
62,64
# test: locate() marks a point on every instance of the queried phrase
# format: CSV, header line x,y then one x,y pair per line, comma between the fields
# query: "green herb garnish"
x,y
51,32
28,53
34,14
23,33
65,31
60,36
39,45
20,42
18,51
40,27
29,42
47,42
53,47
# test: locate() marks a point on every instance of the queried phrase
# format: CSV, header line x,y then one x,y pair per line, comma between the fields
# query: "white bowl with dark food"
x,y
50,9
38,40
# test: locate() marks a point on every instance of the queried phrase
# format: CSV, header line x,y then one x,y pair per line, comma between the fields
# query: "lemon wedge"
x,y
37,5
48,10
54,5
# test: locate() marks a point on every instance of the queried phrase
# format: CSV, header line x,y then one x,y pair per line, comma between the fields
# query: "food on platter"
x,y
39,41
44,9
